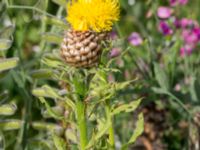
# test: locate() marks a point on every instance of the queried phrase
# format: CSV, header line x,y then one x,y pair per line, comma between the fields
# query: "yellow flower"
x,y
96,15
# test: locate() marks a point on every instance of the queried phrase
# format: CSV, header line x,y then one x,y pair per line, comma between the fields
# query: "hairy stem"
x,y
111,129
82,123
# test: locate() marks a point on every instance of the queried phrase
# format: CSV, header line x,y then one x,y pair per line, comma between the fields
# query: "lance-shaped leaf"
x,y
52,38
70,134
52,61
46,91
2,141
103,127
59,142
58,110
56,22
4,95
60,2
8,109
70,103
40,144
2,8
122,85
126,107
50,111
137,132
161,77
7,32
10,124
6,64
42,73
58,130
5,44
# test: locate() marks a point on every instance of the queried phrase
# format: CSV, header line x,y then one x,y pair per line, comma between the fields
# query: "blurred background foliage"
x,y
168,82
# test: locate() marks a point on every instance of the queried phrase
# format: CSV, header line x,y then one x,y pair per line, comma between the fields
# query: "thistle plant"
x,y
82,44
85,102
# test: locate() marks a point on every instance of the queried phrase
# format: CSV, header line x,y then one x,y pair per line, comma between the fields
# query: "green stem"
x,y
30,8
82,125
111,129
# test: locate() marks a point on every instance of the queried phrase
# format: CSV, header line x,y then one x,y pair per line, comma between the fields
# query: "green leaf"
x,y
161,77
48,127
58,110
50,111
138,131
126,108
2,141
70,103
56,22
52,38
122,85
2,8
62,3
10,124
6,64
59,142
42,73
8,109
70,134
46,91
5,44
194,90
39,144
19,78
103,127
52,61
4,95
7,32
159,90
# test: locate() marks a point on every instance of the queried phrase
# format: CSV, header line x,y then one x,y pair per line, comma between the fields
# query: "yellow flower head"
x,y
96,15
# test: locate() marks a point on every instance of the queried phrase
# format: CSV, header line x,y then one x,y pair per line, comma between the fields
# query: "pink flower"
x,y
115,52
164,12
186,50
185,22
149,14
183,2
135,39
113,35
165,28
189,36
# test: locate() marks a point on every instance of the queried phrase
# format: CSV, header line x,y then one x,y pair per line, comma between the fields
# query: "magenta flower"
x,y
135,39
196,31
165,28
177,23
186,50
164,12
189,36
173,2
178,2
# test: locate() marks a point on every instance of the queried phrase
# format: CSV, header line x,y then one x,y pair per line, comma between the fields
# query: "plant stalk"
x,y
82,123
111,129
